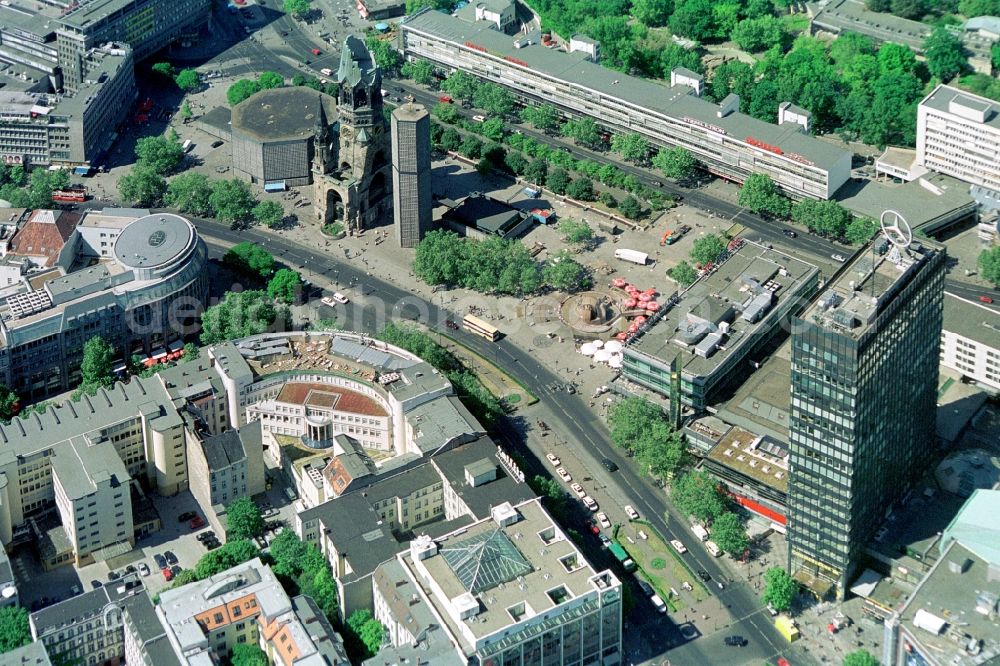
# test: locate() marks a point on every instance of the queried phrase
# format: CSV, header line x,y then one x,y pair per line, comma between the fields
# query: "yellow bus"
x,y
481,328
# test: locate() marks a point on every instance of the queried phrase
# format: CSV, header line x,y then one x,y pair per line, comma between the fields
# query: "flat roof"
x,y
31,654
153,240
83,466
725,294
927,199
283,113
942,97
761,458
972,320
91,11
762,403
677,102
410,112
853,15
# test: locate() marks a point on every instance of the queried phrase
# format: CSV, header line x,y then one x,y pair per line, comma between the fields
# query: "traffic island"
x,y
661,566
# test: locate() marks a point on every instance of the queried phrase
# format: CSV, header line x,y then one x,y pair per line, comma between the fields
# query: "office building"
x,y
718,323
970,341
28,45
864,371
147,26
411,173
76,126
153,263
728,143
274,135
511,588
205,620
32,654
87,628
227,466
958,134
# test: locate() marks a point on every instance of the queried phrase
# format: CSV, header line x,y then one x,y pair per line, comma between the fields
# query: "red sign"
x,y
516,61
764,146
477,47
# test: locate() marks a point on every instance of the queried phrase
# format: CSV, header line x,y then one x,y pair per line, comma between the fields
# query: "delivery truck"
x,y
700,532
634,256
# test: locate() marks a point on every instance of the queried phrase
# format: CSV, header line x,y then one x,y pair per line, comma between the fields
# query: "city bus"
x,y
479,327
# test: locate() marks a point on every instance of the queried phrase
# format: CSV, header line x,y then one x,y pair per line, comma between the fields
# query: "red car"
x,y
168,575
197,523
316,52
986,299
445,98
594,527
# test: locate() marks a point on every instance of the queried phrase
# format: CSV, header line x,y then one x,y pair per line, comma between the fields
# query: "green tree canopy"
x,y
677,163
630,207
297,8
989,265
187,79
471,147
9,404
239,315
758,34
779,589
584,132
419,71
697,494
162,154
232,200
729,534
945,54
241,90
164,69
186,112
460,85
673,55
683,273
446,113
706,249
759,194
269,80
243,519
860,658
558,180
492,129
269,213
251,259
515,162
693,19
537,171
285,286
632,146
189,193
974,8
249,654
364,634
652,13
565,273
826,218
581,189
494,99
236,551
142,186
544,117
14,628
577,232
629,418
860,230
97,366
660,449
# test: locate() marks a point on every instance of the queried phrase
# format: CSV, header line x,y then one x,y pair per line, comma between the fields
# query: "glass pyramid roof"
x,y
485,560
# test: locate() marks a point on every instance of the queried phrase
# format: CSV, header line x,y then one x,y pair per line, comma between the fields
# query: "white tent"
x,y
587,349
614,346
615,361
597,344
602,356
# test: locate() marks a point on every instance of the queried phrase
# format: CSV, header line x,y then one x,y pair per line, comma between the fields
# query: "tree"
x,y
629,418
446,113
515,162
945,54
826,218
652,13
893,57
238,315
758,34
677,163
759,194
386,57
683,274
989,265
269,213
250,258
779,589
164,69
698,494
142,187
558,181
564,273
285,286
460,85
471,147
545,117
189,193
909,9
492,129
660,449
707,249
861,230
249,654
632,146
97,366
187,79
584,132
364,633
440,258
269,80
419,71
236,551
494,99
451,140
14,629
162,154
537,171
974,8
576,232
10,404
732,76
860,658
232,200
877,5
729,535
581,189
995,56
608,199
693,19
241,90
297,8
186,112
630,207
243,520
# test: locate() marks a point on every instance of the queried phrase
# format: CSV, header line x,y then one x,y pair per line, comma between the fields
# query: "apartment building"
x,y
509,589
970,341
227,466
958,134
728,143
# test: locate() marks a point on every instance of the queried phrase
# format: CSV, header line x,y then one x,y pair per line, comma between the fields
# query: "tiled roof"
x,y
44,234
330,397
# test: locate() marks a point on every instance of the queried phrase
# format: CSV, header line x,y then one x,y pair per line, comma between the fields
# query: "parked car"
x,y
678,546
602,518
578,489
789,233
736,641
168,575
130,569
206,535
451,324
171,558
196,523
553,460
160,561
216,144
658,603
212,544
113,576
594,527
340,298
609,464
986,299
605,540
591,503
631,513
186,516
838,257
704,575
143,569
563,474
479,118
96,583
646,588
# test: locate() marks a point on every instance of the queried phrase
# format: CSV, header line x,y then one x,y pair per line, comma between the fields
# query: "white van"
x,y
291,494
712,548
658,603
187,145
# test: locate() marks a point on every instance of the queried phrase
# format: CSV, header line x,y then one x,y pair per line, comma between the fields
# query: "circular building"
x,y
274,133
155,245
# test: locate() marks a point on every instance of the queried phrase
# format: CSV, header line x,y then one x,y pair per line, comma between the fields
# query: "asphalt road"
x,y
568,414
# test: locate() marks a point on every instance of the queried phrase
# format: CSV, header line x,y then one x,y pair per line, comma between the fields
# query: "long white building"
x,y
970,340
958,134
728,143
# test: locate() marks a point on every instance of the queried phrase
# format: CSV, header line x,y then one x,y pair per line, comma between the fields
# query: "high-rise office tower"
x,y
411,173
863,401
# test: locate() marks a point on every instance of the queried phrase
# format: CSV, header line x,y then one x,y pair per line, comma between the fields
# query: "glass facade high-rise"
x,y
863,405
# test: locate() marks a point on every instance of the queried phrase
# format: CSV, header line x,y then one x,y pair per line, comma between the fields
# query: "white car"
x,y
143,569
555,462
340,298
578,489
678,546
838,257
564,475
602,518
591,503
643,535
479,119
631,513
